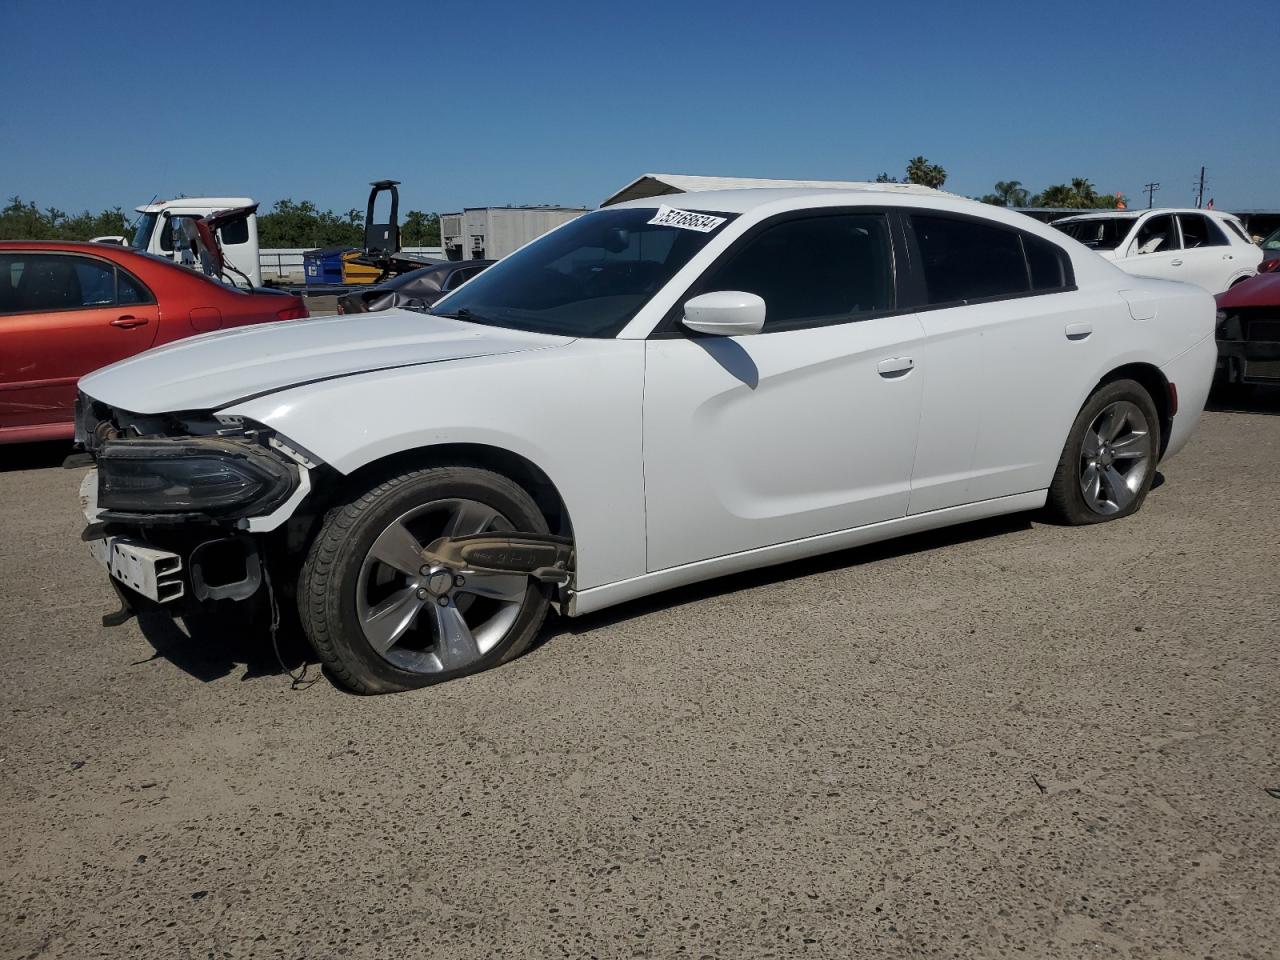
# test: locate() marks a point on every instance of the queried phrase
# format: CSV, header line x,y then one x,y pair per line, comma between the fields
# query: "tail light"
x,y
1270,266
296,312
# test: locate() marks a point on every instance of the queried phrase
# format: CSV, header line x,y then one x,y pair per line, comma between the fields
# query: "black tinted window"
x,y
237,232
34,282
1097,233
1200,231
812,271
1050,267
1157,235
588,277
967,260
128,291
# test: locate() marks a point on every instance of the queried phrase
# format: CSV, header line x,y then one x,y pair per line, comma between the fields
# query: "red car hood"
x,y
1260,291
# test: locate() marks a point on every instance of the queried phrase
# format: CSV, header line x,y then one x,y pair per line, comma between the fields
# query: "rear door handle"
x,y
128,322
895,367
1176,263
1080,330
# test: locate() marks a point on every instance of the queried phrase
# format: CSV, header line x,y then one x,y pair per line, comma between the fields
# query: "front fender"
x,y
573,411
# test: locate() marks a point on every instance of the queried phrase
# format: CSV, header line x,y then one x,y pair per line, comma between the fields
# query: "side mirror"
x,y
725,313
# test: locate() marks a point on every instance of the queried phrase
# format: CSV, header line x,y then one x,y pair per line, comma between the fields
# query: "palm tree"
x,y
1011,193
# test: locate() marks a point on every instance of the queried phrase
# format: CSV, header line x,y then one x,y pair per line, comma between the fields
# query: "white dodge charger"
x,y
656,393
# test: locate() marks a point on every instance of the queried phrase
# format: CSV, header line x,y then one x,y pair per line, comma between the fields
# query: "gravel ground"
x,y
1008,739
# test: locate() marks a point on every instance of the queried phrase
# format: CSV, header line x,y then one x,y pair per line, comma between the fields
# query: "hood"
x,y
217,369
1260,291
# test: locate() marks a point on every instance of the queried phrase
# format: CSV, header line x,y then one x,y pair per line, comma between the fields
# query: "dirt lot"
x,y
1010,739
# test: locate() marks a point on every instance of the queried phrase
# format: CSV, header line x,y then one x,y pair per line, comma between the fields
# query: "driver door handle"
x,y
1176,263
128,322
894,367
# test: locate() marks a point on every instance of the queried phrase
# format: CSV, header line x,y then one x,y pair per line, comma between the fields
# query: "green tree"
x,y
885,178
1008,193
420,229
920,170
293,224
1080,194
26,221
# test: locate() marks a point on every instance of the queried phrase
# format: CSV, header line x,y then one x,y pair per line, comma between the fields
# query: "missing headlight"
x,y
216,477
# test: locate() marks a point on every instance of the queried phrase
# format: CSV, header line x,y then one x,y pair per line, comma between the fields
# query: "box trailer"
x,y
490,233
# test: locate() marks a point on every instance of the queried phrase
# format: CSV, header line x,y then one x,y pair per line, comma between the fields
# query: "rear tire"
x,y
381,624
1109,460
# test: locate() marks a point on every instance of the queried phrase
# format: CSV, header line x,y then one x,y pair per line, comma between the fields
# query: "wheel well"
x,y
511,465
1156,384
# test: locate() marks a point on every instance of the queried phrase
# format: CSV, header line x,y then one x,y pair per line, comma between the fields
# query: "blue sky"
x,y
491,103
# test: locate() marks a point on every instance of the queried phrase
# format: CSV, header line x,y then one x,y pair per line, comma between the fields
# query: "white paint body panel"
x,y
682,458
751,441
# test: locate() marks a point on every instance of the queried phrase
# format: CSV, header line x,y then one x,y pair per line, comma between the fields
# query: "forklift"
x,y
382,251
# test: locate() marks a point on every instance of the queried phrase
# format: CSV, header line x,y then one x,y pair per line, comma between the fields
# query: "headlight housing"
x,y
214,477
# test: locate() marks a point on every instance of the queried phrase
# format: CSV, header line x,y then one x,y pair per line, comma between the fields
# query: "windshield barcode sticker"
x,y
685,220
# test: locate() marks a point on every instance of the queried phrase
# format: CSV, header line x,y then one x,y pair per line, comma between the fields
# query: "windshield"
x,y
1272,242
142,236
589,277
1099,233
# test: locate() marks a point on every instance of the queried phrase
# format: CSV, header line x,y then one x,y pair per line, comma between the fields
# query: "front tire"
x,y
380,619
1109,460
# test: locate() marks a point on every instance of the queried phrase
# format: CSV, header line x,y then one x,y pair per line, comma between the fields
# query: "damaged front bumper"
x,y
179,518
199,562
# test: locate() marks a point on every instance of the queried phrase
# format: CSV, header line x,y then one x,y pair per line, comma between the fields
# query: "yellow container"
x,y
357,272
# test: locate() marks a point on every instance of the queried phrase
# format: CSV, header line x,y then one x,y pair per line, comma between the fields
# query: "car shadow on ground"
x,y
1245,398
209,647
793,570
34,456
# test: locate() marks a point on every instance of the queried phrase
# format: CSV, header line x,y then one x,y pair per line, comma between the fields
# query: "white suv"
x,y
1204,247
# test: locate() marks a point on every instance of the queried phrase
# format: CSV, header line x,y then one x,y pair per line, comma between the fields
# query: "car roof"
x,y
218,203
742,200
68,246
1132,214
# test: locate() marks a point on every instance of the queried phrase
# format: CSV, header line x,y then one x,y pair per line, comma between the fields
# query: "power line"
x,y
1151,189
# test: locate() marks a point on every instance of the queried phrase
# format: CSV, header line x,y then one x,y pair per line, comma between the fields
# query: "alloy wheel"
x,y
1115,457
431,619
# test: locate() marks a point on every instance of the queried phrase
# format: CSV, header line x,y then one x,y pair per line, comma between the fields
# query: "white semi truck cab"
x,y
160,231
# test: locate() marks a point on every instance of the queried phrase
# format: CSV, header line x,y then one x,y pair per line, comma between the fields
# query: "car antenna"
x,y
139,216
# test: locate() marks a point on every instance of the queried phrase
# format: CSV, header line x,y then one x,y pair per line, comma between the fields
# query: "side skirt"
x,y
597,598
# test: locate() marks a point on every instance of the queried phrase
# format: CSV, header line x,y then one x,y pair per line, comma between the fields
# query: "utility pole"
x,y
1200,190
1151,189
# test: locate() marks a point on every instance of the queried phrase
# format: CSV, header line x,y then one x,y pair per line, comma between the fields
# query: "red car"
x,y
69,308
1249,331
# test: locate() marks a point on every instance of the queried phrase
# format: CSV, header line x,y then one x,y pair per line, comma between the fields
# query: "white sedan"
x,y
1206,247
653,394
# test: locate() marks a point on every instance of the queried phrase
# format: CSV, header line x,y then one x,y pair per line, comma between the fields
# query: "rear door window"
x,y
965,260
1049,264
1199,231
